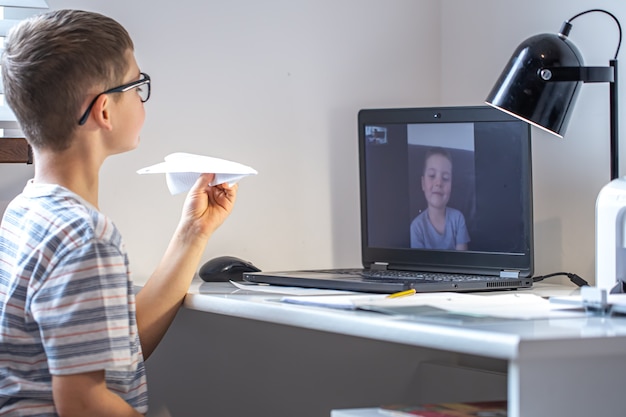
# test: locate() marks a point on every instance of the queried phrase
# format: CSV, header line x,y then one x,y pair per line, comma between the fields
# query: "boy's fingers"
x,y
203,182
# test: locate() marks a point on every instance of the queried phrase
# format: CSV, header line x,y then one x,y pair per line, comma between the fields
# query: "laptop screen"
x,y
446,189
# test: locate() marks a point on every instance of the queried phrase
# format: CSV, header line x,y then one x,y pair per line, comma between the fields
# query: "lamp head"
x,y
524,90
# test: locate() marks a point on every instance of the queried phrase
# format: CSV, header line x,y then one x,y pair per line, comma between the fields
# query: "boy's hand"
x,y
206,207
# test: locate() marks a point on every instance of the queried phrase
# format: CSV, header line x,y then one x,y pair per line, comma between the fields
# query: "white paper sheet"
x,y
183,169
509,306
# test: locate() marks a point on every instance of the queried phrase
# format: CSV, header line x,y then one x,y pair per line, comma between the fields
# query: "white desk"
x,y
233,352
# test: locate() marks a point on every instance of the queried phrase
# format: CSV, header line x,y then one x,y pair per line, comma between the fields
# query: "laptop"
x,y
446,204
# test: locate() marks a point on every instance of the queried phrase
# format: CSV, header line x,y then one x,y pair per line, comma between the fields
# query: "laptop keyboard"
x,y
395,275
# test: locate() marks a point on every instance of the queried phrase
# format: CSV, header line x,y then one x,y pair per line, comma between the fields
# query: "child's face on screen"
x,y
437,181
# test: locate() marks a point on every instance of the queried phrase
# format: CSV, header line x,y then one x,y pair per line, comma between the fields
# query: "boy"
x,y
73,337
439,226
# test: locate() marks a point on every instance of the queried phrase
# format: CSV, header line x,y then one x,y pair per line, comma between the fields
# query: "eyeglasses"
x,y
143,89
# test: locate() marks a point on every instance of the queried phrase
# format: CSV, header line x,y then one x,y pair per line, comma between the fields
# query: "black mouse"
x,y
225,268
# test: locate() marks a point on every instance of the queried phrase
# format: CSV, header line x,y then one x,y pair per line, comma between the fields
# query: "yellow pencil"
x,y
402,293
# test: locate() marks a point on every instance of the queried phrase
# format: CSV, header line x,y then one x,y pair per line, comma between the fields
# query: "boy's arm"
x,y
205,209
87,395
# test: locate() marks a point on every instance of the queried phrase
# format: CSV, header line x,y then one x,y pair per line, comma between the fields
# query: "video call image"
x,y
441,184
456,187
376,134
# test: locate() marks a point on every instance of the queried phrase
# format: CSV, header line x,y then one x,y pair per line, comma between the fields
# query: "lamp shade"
x,y
524,89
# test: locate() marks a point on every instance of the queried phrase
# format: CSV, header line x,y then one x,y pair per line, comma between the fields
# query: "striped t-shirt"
x,y
66,301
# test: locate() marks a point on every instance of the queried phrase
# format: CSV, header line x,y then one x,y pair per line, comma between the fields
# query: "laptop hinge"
x,y
509,273
379,266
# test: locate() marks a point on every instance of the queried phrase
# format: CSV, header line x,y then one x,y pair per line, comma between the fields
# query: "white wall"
x,y
274,84
277,85
478,37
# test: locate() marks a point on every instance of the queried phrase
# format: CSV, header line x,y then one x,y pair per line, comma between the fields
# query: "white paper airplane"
x,y
183,169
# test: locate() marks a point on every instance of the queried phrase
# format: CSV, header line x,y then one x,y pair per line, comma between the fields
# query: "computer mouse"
x,y
225,268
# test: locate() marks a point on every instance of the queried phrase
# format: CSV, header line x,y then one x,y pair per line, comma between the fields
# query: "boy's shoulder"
x,y
56,211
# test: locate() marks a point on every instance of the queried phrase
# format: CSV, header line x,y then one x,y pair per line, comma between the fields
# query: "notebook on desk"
x,y
446,204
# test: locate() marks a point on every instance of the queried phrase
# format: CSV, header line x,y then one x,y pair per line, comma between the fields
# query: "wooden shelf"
x,y
15,150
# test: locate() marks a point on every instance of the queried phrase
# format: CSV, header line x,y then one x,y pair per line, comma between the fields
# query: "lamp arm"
x,y
614,131
585,74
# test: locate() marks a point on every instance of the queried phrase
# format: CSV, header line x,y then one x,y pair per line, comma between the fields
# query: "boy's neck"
x,y
74,170
437,212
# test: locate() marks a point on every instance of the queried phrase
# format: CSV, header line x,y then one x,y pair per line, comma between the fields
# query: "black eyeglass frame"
x,y
145,80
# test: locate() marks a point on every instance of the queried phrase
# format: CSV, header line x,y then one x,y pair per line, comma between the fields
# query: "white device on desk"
x,y
611,237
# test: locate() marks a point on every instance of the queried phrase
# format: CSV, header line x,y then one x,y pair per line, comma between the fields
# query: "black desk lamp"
x,y
539,85
541,82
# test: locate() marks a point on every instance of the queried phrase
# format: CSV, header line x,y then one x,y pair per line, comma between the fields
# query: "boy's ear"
x,y
101,112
